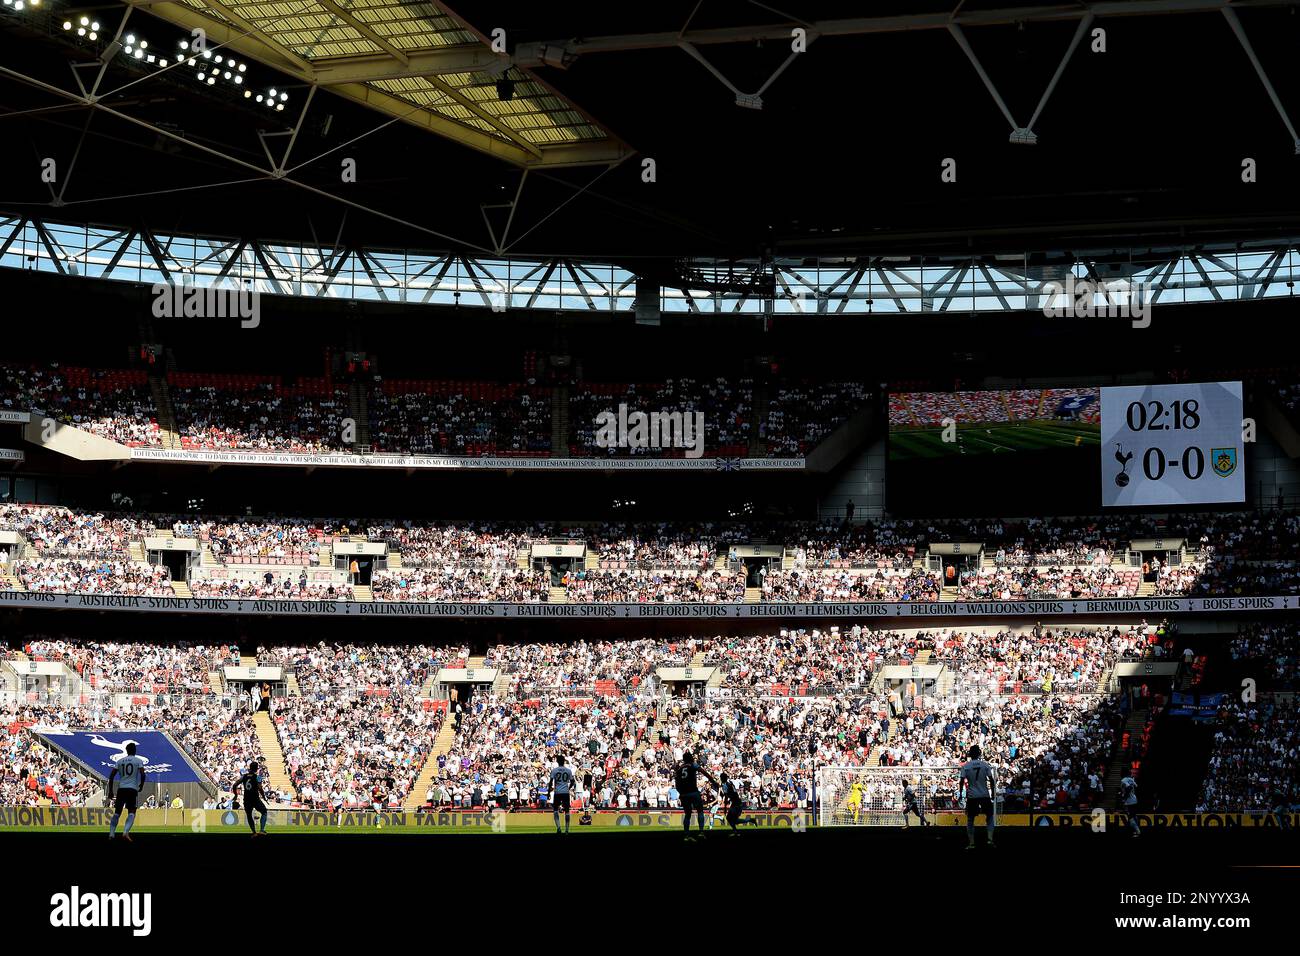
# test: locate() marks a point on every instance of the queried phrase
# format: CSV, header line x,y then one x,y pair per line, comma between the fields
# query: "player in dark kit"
x,y
912,805
686,778
252,797
979,781
735,806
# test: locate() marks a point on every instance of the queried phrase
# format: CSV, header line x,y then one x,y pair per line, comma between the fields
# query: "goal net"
x,y
876,796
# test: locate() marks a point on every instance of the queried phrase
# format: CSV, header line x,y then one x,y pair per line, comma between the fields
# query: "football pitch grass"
x,y
909,443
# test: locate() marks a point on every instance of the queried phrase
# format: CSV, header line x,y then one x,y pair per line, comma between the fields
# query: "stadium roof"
x,y
754,150
418,62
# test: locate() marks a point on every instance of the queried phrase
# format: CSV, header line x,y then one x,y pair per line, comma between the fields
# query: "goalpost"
x,y
877,799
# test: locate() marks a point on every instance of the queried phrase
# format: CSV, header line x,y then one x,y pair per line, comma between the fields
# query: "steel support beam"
x,y
531,54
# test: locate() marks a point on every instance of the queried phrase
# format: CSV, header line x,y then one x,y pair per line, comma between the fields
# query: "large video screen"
x,y
1004,422
1172,444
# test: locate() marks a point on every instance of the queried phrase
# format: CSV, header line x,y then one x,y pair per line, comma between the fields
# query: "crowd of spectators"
x,y
1276,646
94,576
251,413
57,530
633,586
32,773
1068,659
803,586
800,416
1227,554
1033,582
289,540
459,418
1053,750
111,403
117,666
504,749
466,545
359,730
653,546
357,734
221,740
726,407
619,667
1255,760
460,584
270,586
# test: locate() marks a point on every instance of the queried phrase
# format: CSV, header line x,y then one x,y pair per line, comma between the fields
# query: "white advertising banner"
x,y
1152,607
431,462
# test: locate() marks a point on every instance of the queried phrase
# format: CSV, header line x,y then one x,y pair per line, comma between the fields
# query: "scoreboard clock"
x,y
1172,445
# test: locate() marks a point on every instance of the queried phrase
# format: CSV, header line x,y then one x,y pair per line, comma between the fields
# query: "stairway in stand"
x,y
652,732
558,596
358,411
560,422
166,416
362,592
1119,766
181,589
873,758
276,772
442,744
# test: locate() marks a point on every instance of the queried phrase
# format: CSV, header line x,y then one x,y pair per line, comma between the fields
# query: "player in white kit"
x,y
130,775
980,784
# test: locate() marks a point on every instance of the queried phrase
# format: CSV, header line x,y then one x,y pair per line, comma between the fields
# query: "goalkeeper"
x,y
854,803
